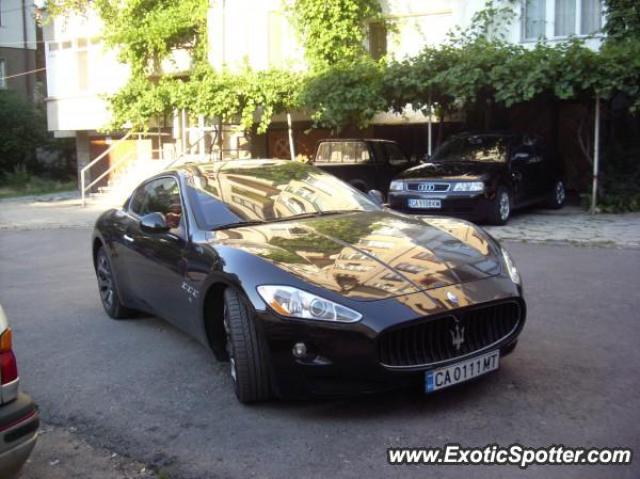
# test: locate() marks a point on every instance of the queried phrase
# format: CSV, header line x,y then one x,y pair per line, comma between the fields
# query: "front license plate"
x,y
460,372
424,204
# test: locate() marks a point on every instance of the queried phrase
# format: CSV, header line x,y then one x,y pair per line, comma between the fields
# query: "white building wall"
x,y
254,33
417,24
258,33
80,72
11,30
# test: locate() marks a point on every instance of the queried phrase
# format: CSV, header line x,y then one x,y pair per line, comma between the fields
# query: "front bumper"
x,y
343,359
19,422
471,206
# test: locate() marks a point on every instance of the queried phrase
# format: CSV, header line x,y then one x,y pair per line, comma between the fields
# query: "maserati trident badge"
x,y
457,336
452,297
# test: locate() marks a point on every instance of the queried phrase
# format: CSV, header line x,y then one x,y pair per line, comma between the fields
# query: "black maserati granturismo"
x,y
305,285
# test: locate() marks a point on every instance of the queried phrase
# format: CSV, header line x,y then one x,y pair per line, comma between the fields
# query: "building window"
x,y
3,82
591,16
275,39
83,70
570,17
565,16
377,40
534,19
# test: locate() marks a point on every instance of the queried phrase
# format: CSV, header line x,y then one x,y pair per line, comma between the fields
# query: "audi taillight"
x,y
8,364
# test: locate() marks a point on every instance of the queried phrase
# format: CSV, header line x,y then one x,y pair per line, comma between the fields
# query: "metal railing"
x,y
187,151
83,172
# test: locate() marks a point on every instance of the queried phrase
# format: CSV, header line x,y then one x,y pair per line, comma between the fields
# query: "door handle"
x,y
128,238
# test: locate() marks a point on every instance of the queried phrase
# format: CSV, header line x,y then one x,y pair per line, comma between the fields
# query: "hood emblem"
x,y
457,336
426,187
452,297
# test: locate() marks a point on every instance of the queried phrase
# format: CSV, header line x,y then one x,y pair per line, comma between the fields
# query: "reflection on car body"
x,y
304,284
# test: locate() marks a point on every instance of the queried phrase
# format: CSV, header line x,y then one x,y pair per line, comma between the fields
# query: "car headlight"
x,y
469,186
511,267
396,185
295,303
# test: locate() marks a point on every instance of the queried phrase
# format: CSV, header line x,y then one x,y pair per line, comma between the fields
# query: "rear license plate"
x,y
461,372
424,204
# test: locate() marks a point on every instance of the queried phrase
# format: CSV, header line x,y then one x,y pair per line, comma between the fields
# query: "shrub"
x,y
22,130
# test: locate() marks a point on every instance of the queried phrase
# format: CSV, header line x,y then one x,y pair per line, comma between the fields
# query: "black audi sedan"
x,y
480,177
305,285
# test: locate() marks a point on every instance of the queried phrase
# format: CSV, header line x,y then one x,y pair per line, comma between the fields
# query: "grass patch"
x,y
35,186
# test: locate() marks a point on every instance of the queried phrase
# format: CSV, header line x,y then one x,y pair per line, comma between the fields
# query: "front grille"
x,y
429,187
432,340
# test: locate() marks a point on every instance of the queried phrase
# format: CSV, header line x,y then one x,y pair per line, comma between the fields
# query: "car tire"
x,y
500,207
245,348
107,288
558,196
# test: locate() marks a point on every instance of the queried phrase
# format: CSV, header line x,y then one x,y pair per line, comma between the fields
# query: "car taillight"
x,y
8,364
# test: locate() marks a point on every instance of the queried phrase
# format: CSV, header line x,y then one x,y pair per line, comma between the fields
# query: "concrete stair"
x,y
126,180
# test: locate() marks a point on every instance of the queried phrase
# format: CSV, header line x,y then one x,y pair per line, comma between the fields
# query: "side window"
x,y
395,155
337,153
362,153
160,196
135,206
348,152
324,153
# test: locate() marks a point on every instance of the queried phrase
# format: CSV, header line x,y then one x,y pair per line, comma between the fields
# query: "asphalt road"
x,y
145,390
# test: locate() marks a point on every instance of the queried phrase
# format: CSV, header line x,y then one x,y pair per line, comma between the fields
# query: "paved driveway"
x,y
144,390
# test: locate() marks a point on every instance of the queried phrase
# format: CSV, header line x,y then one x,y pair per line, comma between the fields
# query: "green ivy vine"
x,y
344,85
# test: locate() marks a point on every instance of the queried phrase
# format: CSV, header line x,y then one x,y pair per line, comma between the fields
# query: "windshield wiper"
x,y
315,214
238,225
301,216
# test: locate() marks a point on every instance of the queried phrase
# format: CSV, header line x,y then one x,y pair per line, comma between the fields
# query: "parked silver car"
x,y
19,418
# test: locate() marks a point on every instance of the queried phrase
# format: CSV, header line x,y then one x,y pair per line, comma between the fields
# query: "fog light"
x,y
299,350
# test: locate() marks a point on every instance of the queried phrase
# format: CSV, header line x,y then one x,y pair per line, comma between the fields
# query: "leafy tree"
x,y
623,19
22,130
475,67
345,94
334,31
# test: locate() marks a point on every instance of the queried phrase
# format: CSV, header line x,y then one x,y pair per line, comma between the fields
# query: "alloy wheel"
x,y
105,281
560,193
505,206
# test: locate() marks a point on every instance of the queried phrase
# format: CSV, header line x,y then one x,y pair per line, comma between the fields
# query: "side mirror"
x,y
376,196
154,223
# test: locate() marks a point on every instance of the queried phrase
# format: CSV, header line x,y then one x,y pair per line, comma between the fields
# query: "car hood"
x,y
452,170
372,255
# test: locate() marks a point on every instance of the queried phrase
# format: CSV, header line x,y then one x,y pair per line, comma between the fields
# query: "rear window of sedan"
x,y
343,152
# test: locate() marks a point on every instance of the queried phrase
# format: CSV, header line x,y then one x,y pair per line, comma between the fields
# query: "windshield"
x,y
473,148
248,191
